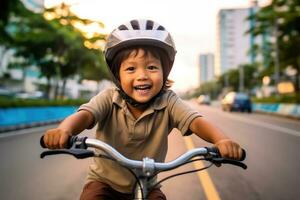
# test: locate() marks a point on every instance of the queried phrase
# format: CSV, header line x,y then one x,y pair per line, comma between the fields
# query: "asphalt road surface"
x,y
273,155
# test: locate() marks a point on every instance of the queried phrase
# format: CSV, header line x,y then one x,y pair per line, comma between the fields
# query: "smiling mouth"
x,y
142,87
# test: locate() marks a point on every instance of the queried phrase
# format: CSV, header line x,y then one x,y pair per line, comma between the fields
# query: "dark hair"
x,y
158,53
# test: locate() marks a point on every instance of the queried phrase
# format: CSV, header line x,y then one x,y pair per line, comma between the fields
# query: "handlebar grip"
x,y
216,151
71,140
243,155
42,143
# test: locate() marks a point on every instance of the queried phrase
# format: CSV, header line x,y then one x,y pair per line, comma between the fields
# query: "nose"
x,y
142,74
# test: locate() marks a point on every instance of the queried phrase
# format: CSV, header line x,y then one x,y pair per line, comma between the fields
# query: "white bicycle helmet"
x,y
139,32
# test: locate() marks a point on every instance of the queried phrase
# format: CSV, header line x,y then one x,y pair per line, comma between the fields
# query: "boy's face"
x,y
141,76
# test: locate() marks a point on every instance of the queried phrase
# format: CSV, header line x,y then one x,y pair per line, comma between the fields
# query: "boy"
x,y
136,116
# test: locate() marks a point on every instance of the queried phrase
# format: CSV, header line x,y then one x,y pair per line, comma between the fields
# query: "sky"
x,y
192,23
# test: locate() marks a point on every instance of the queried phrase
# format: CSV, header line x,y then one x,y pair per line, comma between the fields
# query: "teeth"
x,y
142,87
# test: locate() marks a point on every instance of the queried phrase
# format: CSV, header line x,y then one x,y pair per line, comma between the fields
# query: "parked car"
x,y
234,101
204,99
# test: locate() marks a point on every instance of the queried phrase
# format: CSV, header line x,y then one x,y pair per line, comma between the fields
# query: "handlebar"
x,y
78,148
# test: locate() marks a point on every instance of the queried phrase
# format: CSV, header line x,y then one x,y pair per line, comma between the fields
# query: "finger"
x,y
235,152
46,140
50,141
224,151
56,140
230,151
63,141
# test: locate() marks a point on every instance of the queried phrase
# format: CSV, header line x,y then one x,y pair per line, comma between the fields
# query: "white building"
x,y
206,67
233,44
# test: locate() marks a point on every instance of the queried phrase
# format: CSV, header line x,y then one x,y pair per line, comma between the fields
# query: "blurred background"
x,y
51,51
233,55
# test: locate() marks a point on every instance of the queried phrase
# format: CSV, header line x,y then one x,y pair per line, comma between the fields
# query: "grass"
x,y
287,98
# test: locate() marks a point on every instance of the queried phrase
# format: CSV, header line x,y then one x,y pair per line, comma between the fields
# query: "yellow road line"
x,y
207,184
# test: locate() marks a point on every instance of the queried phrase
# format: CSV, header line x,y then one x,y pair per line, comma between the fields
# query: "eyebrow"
x,y
148,61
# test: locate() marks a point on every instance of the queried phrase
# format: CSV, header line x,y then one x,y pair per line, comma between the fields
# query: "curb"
x,y
286,110
26,126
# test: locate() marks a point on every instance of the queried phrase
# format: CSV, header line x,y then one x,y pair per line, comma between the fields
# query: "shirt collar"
x,y
117,99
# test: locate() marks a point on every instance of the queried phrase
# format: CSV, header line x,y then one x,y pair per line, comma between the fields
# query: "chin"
x,y
142,100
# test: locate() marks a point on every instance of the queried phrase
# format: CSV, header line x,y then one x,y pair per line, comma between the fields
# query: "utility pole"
x,y
226,80
242,78
276,59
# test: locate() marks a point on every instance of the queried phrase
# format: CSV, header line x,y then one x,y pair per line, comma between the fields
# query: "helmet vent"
x,y
122,27
135,25
161,28
149,25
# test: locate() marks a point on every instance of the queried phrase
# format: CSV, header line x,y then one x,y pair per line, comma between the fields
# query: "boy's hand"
x,y
56,138
229,149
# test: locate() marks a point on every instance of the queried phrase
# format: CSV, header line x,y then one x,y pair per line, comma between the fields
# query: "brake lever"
x,y
218,161
77,153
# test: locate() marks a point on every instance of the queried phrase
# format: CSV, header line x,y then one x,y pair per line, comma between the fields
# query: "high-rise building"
x,y
206,67
233,44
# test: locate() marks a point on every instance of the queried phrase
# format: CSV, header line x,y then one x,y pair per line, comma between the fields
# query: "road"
x,y
272,144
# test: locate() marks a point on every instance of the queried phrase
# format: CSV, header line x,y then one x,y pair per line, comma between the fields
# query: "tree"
x,y
8,9
232,79
76,57
280,21
55,45
211,88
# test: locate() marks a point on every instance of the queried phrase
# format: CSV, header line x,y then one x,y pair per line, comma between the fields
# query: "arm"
x,y
77,122
72,125
208,132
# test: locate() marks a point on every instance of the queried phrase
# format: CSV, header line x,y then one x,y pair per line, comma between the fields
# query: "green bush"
x,y
291,98
6,102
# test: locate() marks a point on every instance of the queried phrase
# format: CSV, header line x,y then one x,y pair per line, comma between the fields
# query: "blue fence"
x,y
29,115
18,118
292,110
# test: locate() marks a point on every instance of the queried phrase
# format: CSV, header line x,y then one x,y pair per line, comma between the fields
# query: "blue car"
x,y
234,101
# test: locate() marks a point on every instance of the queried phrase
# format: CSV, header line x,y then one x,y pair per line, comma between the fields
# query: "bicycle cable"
x,y
182,173
137,181
187,162
130,170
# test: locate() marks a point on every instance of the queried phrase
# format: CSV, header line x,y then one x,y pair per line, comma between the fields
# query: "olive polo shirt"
x,y
146,136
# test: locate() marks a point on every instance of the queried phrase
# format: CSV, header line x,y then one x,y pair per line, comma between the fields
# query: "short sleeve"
x,y
181,114
99,105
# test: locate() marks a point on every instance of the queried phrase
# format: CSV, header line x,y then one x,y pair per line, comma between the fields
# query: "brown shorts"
x,y
95,190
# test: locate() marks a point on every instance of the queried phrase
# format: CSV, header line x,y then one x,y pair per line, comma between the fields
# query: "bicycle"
x,y
146,169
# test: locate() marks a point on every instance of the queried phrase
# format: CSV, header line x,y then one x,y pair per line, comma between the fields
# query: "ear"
x,y
168,83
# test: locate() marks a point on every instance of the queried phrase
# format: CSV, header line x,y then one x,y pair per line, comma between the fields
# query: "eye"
x,y
152,67
130,69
